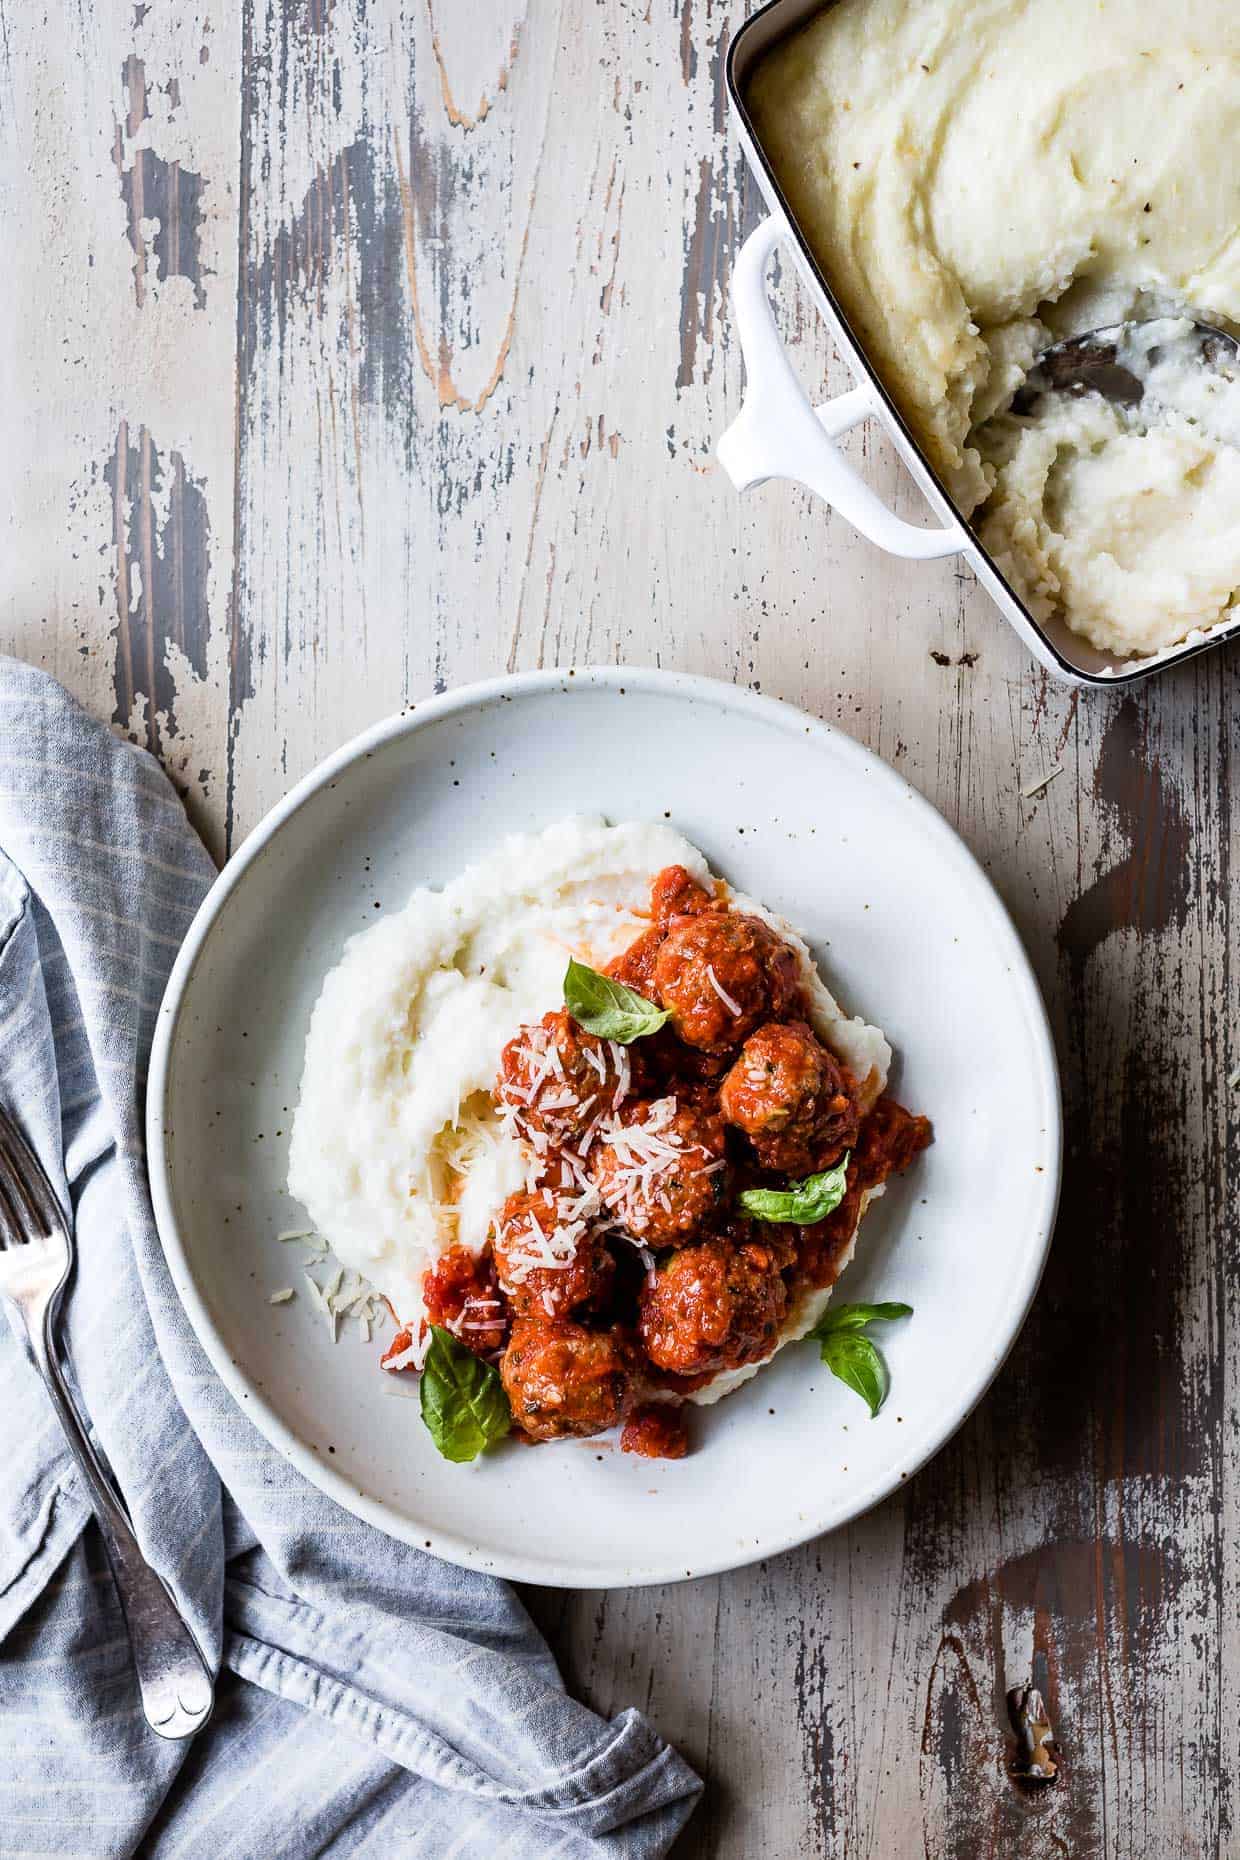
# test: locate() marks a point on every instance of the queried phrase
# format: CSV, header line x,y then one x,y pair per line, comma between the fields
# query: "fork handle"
x,y
173,1678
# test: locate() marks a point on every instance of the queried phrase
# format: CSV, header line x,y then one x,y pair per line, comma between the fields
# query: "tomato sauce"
x,y
462,1294
663,1282
657,1431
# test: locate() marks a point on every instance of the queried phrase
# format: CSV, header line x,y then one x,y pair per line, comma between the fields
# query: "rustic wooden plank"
x,y
854,1693
1072,1531
380,347
121,135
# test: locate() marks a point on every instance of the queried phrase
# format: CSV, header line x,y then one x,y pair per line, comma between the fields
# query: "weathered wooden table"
x,y
363,347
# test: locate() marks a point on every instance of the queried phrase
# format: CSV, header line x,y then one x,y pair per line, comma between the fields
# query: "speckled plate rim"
x,y
454,1549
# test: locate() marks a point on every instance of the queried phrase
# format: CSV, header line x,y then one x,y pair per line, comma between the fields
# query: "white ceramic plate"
x,y
909,933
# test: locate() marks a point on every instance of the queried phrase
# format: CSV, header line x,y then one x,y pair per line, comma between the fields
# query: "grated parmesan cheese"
x,y
1036,787
398,1150
733,1007
346,1295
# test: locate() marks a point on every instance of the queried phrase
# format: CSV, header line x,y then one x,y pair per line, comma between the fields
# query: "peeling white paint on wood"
x,y
353,352
95,339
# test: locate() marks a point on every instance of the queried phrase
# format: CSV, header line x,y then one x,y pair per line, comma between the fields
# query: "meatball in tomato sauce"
x,y
562,1379
792,1099
674,893
558,1078
662,1170
714,1306
722,975
548,1264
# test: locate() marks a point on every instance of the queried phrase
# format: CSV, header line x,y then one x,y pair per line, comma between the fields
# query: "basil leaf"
x,y
856,1317
608,1009
463,1400
804,1202
853,1358
848,1352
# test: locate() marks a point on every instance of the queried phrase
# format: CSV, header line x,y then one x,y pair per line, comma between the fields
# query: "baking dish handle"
x,y
777,433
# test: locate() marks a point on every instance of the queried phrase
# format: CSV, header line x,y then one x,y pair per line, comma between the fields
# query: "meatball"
x,y
558,1078
534,1224
714,1306
722,975
562,1379
673,893
662,1170
792,1099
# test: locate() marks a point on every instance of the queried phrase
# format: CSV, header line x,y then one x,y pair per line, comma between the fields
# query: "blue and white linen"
x,y
372,1700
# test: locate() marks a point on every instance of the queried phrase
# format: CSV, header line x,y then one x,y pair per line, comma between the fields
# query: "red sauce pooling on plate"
x,y
657,1431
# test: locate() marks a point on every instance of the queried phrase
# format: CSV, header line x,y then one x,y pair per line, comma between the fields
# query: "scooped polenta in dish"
x,y
596,1129
983,178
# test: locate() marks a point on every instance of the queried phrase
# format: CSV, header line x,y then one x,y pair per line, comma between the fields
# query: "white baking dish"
x,y
779,434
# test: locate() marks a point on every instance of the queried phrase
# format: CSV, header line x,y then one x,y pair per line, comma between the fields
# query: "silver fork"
x,y
36,1254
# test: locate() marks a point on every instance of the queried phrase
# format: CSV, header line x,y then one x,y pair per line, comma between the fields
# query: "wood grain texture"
x,y
357,350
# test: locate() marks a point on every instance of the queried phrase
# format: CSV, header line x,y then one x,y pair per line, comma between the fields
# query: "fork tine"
x,y
28,1172
20,1199
11,1234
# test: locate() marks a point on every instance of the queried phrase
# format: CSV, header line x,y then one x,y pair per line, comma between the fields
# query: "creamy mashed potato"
x,y
981,178
397,1152
1132,532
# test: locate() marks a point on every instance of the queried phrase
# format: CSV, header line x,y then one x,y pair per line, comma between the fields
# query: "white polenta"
x,y
980,178
396,1150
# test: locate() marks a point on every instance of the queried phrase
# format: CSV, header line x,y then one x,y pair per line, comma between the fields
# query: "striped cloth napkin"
x,y
371,1700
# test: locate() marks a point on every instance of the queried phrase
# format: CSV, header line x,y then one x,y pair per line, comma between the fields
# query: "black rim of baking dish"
x,y
1107,681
